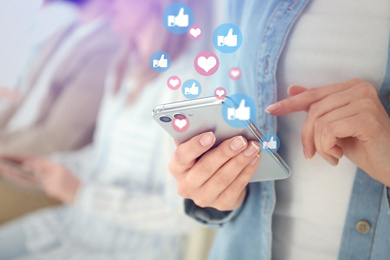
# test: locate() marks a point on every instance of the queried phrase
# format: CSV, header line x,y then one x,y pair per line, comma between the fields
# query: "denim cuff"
x,y
210,217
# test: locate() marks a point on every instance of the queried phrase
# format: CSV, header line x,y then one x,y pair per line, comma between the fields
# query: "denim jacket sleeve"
x,y
388,198
211,217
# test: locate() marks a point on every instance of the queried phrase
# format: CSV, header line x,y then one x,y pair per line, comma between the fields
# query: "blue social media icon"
x,y
191,89
160,61
239,110
178,18
270,143
227,38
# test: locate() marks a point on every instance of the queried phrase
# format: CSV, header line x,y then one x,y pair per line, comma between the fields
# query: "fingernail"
x,y
254,160
252,148
207,139
272,108
305,153
237,143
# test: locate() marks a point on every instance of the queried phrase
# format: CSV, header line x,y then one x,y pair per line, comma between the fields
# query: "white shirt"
x,y
333,41
28,113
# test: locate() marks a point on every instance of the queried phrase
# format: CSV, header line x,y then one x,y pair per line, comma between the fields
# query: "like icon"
x,y
227,38
191,89
206,63
271,143
178,17
240,113
238,110
160,61
180,20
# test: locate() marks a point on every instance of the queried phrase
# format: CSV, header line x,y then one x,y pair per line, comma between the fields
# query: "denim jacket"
x,y
246,233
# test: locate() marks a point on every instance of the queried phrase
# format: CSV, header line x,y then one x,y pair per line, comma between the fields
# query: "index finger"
x,y
187,153
305,99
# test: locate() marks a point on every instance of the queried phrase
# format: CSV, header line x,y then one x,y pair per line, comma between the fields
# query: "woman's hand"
x,y
218,178
56,181
343,119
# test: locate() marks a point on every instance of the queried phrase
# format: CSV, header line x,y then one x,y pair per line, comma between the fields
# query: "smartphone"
x,y
204,115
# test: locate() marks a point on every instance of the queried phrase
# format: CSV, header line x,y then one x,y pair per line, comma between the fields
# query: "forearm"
x,y
133,208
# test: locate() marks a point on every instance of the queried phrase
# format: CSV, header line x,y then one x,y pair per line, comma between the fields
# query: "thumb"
x,y
271,140
230,33
193,85
181,12
294,90
242,104
162,57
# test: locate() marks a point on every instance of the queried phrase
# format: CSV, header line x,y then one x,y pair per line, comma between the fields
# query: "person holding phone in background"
x,y
334,55
118,201
60,90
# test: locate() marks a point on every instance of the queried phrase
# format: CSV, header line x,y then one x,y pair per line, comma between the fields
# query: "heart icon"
x,y
235,73
180,123
174,82
220,92
195,32
207,64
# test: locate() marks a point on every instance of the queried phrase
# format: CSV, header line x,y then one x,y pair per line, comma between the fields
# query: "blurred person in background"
x,y
62,92
30,33
119,200
63,87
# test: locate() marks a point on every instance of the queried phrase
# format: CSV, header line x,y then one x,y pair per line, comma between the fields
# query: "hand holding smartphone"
x,y
204,115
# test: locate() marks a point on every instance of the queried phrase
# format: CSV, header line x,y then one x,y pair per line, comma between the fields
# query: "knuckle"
x,y
240,161
222,180
312,93
366,106
205,168
176,158
327,130
171,167
224,151
356,80
241,183
318,124
314,111
183,191
365,89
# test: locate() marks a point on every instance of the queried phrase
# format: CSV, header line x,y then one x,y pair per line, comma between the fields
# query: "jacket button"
x,y
363,226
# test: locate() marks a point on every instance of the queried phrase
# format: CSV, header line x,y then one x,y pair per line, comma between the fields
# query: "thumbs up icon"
x,y
193,90
181,20
162,62
271,144
241,113
228,40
